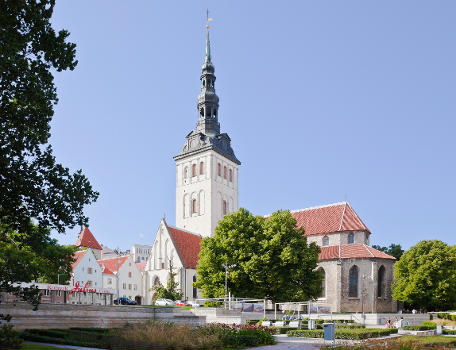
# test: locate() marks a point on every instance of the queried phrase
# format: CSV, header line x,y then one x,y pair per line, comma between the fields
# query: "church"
x,y
356,276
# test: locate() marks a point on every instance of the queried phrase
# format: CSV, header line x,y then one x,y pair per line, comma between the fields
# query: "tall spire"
x,y
208,45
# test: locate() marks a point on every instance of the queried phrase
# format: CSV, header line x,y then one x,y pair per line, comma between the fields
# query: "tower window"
x,y
325,241
219,169
201,168
224,207
185,172
194,206
351,238
224,172
194,170
231,175
353,282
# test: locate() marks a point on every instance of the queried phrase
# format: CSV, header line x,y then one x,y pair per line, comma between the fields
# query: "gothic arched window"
x,y
219,169
195,291
351,238
353,282
325,241
224,207
201,168
323,283
224,172
193,170
194,208
380,281
231,175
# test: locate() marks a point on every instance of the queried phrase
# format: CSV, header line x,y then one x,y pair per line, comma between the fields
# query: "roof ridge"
x,y
342,218
367,247
318,207
183,230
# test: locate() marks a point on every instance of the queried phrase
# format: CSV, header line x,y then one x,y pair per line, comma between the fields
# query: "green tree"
x,y
425,277
267,258
34,187
171,291
393,250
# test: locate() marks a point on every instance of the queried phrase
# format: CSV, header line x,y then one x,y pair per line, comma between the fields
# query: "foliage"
x,y
171,291
393,250
33,186
9,339
349,334
429,324
426,275
409,342
449,331
418,328
268,258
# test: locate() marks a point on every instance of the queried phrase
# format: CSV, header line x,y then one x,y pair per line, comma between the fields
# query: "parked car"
x,y
164,302
124,301
194,303
182,303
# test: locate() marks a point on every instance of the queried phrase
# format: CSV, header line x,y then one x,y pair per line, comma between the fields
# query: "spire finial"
x,y
208,43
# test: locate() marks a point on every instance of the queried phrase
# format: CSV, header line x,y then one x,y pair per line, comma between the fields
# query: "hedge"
x,y
348,334
283,330
449,331
418,328
429,324
446,316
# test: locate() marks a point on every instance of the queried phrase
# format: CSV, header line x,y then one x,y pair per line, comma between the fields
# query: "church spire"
x,y
208,45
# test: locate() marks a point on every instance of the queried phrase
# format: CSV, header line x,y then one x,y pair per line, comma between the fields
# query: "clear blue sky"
x,y
323,100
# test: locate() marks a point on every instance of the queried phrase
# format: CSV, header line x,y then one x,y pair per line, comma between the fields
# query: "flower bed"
x,y
349,334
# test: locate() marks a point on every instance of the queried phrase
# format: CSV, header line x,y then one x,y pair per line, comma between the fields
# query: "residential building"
x,y
85,270
87,240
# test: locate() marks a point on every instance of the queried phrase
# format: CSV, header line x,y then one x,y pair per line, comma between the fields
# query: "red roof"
x,y
141,265
187,245
347,251
111,265
86,239
329,218
77,258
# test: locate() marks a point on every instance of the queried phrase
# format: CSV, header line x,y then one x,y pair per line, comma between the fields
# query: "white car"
x,y
194,304
164,302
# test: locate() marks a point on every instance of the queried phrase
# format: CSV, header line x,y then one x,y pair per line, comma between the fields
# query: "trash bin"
x,y
329,331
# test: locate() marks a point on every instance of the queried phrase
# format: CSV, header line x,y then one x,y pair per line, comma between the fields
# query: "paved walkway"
x,y
74,347
295,343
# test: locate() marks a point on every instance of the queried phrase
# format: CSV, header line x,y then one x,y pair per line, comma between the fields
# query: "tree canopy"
x,y
267,258
34,187
425,277
393,250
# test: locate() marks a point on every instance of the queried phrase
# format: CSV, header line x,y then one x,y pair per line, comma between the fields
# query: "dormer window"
x,y
351,238
325,241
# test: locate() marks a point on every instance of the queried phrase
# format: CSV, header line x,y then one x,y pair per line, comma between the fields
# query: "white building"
x,y
140,253
86,270
122,275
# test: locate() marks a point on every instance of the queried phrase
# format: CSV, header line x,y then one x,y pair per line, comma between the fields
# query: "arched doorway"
x,y
138,300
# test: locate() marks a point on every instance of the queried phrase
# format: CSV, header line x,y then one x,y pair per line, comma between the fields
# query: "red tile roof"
x,y
86,239
187,245
335,217
77,258
111,265
348,251
141,265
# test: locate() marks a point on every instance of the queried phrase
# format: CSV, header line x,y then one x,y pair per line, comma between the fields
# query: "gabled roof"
x,y
111,266
347,251
187,245
87,239
335,217
141,265
77,258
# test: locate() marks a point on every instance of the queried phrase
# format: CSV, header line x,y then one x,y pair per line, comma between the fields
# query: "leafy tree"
x,y
34,187
425,277
267,258
171,291
393,250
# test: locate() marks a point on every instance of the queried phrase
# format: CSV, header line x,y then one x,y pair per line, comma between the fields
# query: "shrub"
x,y
350,326
9,338
444,315
348,334
429,324
449,331
283,330
211,303
252,321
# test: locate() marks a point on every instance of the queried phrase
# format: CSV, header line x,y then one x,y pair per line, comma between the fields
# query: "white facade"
x,y
87,270
140,253
206,190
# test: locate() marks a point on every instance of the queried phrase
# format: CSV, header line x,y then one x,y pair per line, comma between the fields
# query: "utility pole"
x,y
226,266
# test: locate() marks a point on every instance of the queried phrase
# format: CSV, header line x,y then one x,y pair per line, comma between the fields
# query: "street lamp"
x,y
58,277
227,267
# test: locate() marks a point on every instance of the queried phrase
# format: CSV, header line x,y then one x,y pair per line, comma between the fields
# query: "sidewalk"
x,y
63,346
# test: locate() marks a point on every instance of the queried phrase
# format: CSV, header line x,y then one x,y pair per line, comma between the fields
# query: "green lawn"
x,y
28,346
428,339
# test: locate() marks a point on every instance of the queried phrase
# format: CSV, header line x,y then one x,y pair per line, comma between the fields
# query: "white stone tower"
x,y
206,167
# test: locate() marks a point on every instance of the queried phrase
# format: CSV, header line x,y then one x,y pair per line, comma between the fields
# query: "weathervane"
x,y
208,19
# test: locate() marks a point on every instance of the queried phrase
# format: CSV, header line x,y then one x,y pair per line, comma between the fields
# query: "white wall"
x,y
336,238
130,286
81,271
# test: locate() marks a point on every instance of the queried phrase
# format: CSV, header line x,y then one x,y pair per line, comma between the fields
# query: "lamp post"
x,y
58,277
227,267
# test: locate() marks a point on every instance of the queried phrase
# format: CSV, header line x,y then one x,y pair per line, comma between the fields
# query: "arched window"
x,y
194,170
201,168
195,291
185,172
224,172
219,169
380,282
202,113
224,207
325,241
194,209
231,175
323,283
351,238
353,282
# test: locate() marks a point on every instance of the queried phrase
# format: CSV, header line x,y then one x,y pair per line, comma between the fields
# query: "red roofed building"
x,y
85,269
87,240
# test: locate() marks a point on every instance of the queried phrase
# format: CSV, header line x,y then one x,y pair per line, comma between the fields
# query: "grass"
x,y
28,346
428,339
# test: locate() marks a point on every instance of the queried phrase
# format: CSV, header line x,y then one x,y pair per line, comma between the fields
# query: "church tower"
x,y
206,167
